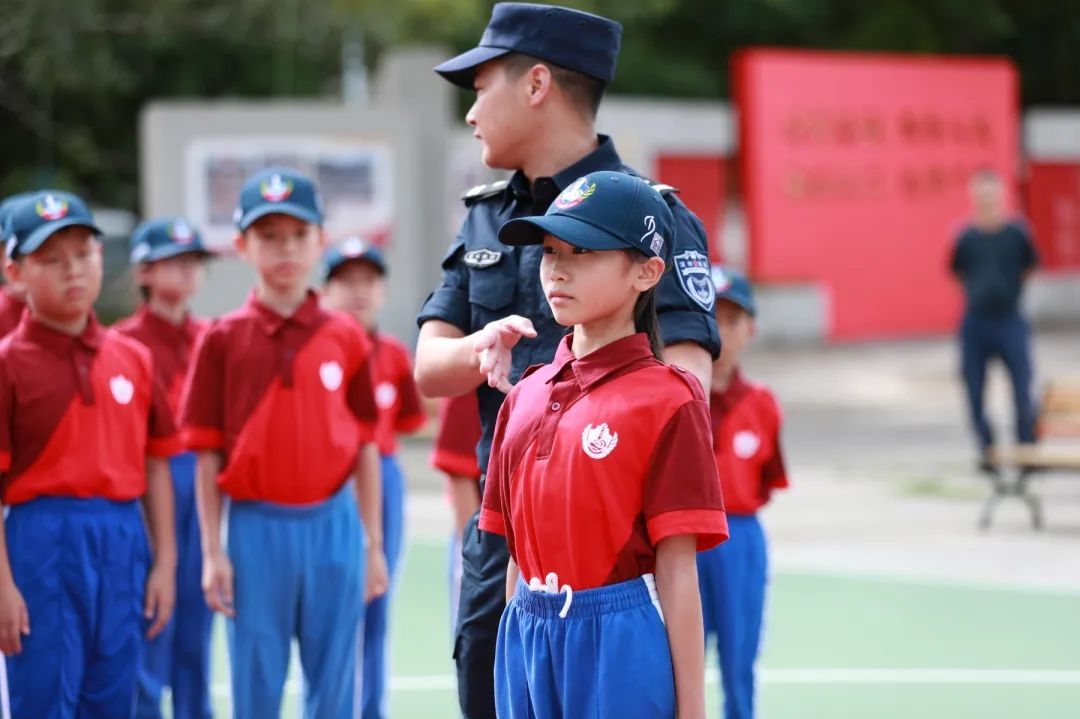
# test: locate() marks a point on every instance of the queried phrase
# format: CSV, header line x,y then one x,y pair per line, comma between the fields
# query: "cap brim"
x,y
280,208
38,237
740,302
573,231
461,70
170,251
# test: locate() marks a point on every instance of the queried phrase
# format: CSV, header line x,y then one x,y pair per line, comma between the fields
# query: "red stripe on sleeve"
x,y
202,439
492,521
165,446
710,526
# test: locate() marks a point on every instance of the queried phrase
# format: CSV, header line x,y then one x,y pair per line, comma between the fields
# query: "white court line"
x,y
1012,677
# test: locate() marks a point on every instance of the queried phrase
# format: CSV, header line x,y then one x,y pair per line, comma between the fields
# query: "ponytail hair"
x,y
645,321
645,312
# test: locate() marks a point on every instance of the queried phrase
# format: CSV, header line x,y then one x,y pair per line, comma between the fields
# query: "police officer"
x,y
992,258
539,73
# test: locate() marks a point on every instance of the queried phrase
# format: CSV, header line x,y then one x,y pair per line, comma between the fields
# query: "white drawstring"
x,y
551,586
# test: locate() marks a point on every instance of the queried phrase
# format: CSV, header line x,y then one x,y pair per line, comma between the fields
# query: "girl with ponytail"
x,y
602,477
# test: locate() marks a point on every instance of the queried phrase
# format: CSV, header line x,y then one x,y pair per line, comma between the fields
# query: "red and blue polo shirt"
x,y
11,311
746,423
597,460
288,401
396,393
79,415
454,450
172,347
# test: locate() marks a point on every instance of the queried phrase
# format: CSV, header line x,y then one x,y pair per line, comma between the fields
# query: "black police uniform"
x,y
485,280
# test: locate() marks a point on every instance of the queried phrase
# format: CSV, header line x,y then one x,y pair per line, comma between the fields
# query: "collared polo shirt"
x,y
171,346
79,415
396,393
597,460
746,423
288,401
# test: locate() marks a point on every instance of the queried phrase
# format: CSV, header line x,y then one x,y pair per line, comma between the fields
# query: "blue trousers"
x,y
81,566
374,642
180,656
732,577
299,572
609,657
1008,339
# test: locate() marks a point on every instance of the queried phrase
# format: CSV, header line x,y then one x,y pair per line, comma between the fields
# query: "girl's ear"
x,y
649,273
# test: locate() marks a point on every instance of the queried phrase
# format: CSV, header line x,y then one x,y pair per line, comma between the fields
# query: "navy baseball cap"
x,y
36,217
571,39
733,286
166,237
350,250
278,191
601,211
7,206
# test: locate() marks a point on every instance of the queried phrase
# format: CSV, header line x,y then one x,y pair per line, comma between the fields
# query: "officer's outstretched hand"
x,y
378,576
14,619
494,343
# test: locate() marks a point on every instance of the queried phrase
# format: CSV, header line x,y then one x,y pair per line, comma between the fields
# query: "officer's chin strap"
x,y
551,586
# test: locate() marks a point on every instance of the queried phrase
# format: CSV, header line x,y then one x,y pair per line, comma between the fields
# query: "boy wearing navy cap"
x,y
539,74
356,284
12,296
84,432
169,257
746,421
280,407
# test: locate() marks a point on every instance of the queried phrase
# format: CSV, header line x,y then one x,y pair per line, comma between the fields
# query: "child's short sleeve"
x,y
454,449
682,492
495,507
7,409
411,415
163,440
361,390
774,471
202,413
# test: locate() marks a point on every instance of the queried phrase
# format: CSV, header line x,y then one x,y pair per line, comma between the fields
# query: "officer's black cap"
x,y
571,39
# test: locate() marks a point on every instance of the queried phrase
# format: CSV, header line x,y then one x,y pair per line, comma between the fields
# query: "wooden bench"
x,y
1058,450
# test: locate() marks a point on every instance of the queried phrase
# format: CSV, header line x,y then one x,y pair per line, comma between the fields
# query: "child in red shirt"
x,y
168,254
85,433
602,478
280,407
746,424
356,284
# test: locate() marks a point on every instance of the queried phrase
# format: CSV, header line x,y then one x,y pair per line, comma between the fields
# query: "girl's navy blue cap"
x,y
571,39
601,211
37,217
166,237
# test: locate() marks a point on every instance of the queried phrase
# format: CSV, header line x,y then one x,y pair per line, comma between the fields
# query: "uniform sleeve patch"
x,y
479,259
695,276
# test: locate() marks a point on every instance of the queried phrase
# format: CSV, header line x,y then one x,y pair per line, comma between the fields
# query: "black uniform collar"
x,y
544,190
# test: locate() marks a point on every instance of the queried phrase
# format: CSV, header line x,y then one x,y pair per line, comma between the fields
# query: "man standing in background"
x,y
993,257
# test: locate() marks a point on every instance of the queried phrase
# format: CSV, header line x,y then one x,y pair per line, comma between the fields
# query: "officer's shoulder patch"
x,y
483,192
695,276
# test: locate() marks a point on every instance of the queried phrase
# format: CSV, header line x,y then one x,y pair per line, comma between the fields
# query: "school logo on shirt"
x,y
575,194
385,395
598,442
49,208
745,444
123,391
479,259
331,375
695,276
275,189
